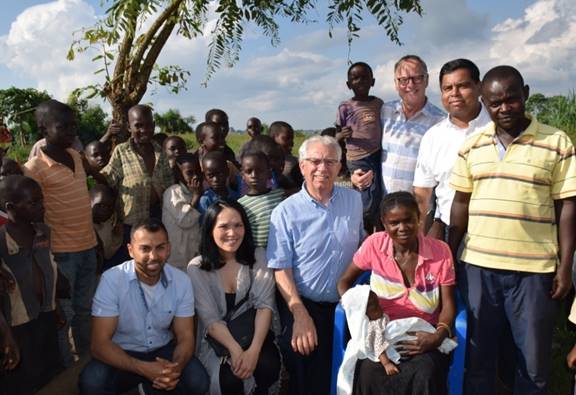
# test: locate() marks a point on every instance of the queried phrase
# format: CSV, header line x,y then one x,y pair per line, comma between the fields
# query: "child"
x,y
97,155
180,212
216,174
373,336
9,167
259,200
107,226
173,147
60,172
253,129
220,118
283,135
210,138
28,320
359,120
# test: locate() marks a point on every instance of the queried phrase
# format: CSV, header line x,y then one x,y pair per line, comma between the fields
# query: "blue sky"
x,y
302,80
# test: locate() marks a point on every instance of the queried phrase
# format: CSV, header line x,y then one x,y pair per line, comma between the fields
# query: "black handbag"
x,y
241,327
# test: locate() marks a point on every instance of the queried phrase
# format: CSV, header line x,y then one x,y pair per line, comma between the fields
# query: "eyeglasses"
x,y
327,162
416,79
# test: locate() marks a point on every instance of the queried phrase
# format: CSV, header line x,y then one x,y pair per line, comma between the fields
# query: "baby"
x,y
375,340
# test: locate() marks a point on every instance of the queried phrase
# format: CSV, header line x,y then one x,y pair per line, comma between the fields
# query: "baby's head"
x,y
373,309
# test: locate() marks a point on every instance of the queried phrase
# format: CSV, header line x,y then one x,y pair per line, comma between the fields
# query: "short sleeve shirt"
x,y
142,327
422,299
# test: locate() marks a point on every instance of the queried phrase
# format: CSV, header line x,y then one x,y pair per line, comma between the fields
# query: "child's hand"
x,y
195,186
344,133
10,353
571,358
390,368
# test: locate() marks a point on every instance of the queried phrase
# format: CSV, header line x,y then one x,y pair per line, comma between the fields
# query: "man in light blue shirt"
x,y
313,236
142,328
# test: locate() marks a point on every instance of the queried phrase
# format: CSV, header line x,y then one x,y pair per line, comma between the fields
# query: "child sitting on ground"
x,y
108,227
359,121
180,212
283,135
216,174
220,118
259,200
374,336
28,319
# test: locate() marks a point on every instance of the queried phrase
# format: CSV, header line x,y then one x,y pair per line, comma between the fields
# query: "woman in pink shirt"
x,y
413,276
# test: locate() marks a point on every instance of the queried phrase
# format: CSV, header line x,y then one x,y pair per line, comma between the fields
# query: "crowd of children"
x,y
69,211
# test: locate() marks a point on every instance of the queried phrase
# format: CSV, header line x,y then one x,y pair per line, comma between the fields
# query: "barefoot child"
x,y
28,321
259,200
180,212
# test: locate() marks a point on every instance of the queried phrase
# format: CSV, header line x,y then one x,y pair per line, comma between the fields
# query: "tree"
x,y
91,119
128,51
558,111
17,108
172,122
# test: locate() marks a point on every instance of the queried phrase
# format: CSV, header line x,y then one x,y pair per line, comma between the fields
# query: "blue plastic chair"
x,y
456,372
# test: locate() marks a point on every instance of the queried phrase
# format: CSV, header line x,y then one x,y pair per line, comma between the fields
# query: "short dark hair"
x,y
400,198
264,144
277,126
415,58
12,187
96,143
199,132
331,131
173,137
258,155
216,156
503,73
211,259
188,157
214,111
48,110
461,63
102,188
152,225
145,109
361,64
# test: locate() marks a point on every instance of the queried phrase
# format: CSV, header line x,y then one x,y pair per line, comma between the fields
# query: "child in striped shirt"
x,y
259,200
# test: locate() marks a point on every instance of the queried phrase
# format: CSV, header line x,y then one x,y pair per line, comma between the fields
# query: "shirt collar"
x,y
165,277
481,119
40,240
308,197
424,250
51,162
531,130
425,110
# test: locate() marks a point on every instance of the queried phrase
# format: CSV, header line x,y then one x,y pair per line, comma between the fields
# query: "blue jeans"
x,y
98,378
80,270
519,302
371,197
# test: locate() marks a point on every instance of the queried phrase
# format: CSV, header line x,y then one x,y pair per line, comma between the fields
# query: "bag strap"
x,y
234,309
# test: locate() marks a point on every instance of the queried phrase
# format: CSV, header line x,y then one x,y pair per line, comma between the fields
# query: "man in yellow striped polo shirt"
x,y
515,185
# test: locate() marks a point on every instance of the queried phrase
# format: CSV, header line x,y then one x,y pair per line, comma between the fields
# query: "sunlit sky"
x,y
302,80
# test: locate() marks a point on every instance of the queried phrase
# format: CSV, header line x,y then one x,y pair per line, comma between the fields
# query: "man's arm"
x,y
458,221
304,337
423,197
566,209
105,350
348,278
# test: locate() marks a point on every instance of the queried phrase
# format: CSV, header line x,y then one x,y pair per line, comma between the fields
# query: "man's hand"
x,y
170,375
10,353
562,283
304,337
362,179
424,342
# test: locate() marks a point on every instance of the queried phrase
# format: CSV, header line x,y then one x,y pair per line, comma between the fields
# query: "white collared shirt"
x,y
437,154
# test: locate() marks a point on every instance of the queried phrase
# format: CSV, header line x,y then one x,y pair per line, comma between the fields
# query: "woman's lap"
x,y
424,374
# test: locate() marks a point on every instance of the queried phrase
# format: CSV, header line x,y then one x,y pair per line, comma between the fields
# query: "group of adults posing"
x,y
503,188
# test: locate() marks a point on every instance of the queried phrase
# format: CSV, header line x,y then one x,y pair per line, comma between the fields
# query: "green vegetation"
x,y
557,111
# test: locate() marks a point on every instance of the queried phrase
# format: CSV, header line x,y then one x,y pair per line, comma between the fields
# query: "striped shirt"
x,y
127,173
259,209
512,223
400,143
66,201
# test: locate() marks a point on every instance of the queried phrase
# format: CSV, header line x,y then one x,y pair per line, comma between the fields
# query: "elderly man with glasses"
x,y
313,235
404,123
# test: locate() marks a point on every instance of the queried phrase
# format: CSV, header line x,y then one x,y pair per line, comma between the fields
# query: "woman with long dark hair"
x,y
230,277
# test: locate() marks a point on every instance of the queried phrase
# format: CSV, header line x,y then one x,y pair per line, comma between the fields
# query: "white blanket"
x,y
354,302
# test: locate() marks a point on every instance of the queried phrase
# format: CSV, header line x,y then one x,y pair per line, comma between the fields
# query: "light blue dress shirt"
x,y
142,326
317,242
